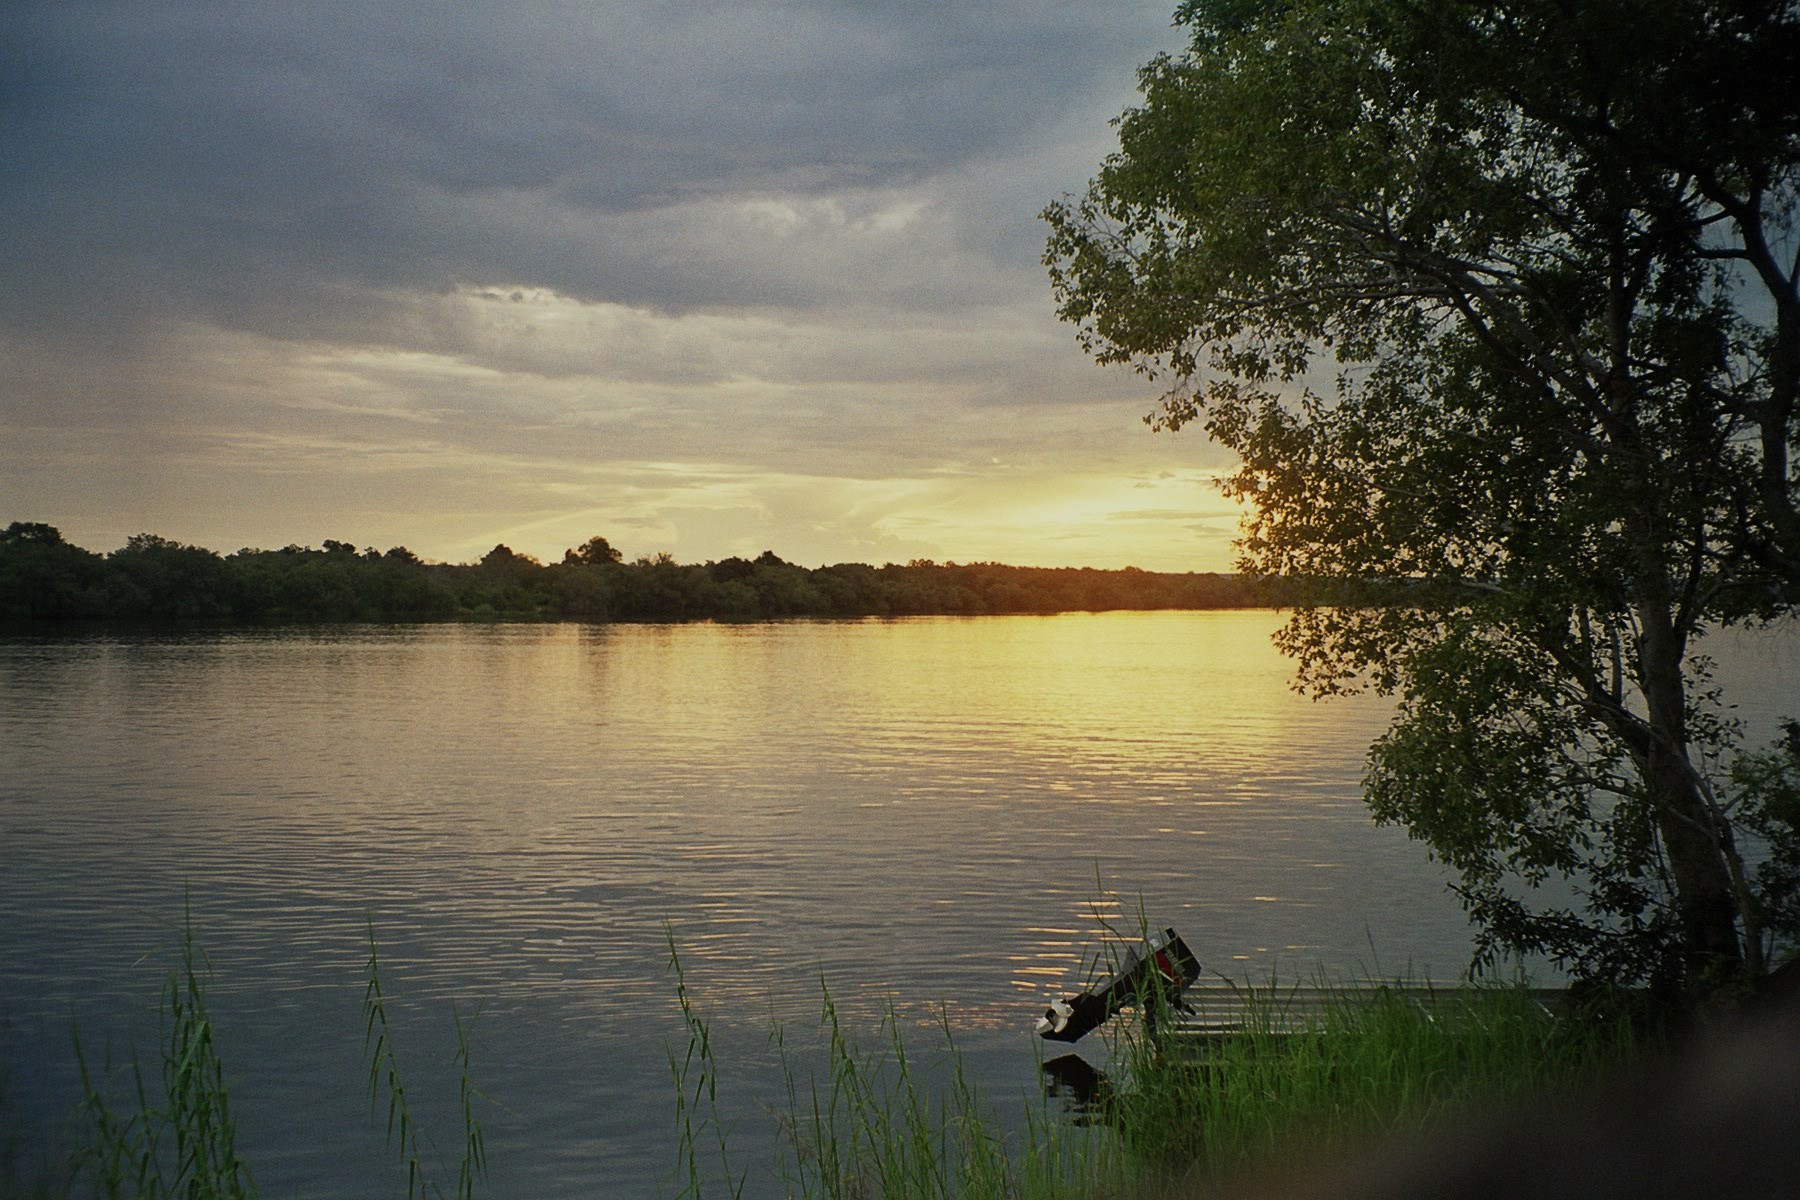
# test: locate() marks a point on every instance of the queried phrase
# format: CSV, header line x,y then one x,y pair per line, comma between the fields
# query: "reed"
x,y
866,1124
178,1138
875,1122
1373,1062
872,1123
385,1079
696,1075
172,1134
869,1125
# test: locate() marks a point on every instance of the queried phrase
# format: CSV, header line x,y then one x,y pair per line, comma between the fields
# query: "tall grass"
x,y
177,1138
1373,1061
867,1123
875,1121
172,1134
871,1124
696,1073
385,1079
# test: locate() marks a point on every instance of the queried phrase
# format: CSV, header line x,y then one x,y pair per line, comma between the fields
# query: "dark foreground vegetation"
x,y
44,577
878,1115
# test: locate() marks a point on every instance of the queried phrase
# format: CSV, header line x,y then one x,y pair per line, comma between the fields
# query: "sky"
x,y
699,278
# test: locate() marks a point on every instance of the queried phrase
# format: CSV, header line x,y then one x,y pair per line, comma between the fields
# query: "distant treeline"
x,y
44,577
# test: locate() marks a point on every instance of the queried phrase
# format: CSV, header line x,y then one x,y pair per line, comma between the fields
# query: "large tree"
x,y
1497,304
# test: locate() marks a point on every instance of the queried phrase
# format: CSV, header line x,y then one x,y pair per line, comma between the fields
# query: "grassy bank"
x,y
1160,1110
888,1113
1374,1062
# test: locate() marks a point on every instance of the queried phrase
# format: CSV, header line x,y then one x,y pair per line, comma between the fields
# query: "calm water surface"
x,y
932,813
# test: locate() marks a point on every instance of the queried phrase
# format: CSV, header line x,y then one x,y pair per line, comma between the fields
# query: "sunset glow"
x,y
788,306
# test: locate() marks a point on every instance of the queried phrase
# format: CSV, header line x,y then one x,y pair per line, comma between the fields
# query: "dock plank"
x,y
1220,1010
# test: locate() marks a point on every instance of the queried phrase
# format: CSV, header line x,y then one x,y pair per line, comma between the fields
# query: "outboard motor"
x,y
1165,964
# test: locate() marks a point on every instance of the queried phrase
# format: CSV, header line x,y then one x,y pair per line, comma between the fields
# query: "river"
x,y
937,815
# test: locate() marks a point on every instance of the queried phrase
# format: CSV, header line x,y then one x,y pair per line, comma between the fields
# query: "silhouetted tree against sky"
x,y
595,552
1496,302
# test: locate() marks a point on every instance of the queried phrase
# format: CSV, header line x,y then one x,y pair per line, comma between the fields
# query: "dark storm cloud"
x,y
735,275
295,169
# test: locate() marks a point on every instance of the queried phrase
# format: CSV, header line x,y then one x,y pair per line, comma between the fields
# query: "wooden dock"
x,y
1225,1010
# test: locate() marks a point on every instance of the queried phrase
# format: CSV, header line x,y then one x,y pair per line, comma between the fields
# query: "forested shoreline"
x,y
44,577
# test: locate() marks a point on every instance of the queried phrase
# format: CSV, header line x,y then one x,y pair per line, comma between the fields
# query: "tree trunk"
x,y
1690,828
1711,948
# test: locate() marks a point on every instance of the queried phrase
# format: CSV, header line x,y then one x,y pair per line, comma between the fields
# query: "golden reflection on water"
x,y
910,775
1106,687
931,808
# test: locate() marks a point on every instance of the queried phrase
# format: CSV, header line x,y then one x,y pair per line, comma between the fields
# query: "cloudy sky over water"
x,y
703,278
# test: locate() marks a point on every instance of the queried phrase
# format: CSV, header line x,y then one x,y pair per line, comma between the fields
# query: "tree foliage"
x,y
43,577
595,552
1497,304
